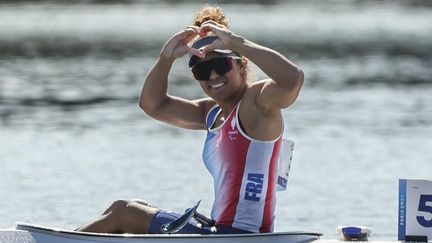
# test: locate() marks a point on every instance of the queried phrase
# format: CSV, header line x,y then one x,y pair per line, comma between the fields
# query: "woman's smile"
x,y
216,84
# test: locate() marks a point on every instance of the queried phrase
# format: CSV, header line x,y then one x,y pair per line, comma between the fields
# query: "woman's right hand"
x,y
177,46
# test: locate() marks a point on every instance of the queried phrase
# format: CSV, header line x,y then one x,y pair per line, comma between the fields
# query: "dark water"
x,y
72,137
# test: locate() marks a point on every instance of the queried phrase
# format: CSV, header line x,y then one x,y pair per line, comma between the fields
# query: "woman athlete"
x,y
243,122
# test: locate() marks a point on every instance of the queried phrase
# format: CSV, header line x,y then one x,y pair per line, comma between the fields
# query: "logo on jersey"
x,y
254,187
234,132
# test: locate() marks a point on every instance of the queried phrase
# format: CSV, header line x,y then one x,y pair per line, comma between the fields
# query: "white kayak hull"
x,y
28,233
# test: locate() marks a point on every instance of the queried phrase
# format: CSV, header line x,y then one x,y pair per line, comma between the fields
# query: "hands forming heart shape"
x,y
180,44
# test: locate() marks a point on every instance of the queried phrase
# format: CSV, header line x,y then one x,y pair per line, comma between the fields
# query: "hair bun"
x,y
213,13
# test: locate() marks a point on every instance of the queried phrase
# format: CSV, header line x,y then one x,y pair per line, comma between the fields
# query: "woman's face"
x,y
225,86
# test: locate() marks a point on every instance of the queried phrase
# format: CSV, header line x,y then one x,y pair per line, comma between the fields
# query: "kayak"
x,y
30,233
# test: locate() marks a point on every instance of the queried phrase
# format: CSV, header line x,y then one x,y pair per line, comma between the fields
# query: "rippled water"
x,y
72,138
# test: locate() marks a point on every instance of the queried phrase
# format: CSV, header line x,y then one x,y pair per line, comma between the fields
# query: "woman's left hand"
x,y
224,36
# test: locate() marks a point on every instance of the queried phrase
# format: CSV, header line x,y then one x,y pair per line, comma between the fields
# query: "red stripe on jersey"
x,y
234,160
267,221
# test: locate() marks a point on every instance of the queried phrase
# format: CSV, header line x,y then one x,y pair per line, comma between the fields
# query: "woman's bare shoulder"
x,y
206,104
254,88
259,84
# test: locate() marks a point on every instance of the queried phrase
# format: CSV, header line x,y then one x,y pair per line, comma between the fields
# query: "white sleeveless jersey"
x,y
244,171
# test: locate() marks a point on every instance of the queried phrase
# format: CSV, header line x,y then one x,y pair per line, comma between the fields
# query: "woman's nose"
x,y
213,75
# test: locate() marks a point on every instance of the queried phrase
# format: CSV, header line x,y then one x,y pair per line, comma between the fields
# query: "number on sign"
x,y
423,207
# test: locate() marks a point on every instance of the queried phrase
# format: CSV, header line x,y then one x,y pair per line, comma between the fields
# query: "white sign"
x,y
415,208
284,163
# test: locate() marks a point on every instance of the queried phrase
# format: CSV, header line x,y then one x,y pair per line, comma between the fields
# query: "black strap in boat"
x,y
204,220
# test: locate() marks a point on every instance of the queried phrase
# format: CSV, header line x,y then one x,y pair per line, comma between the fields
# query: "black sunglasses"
x,y
221,65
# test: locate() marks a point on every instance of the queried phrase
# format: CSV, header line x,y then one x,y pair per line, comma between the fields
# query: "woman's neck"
x,y
228,105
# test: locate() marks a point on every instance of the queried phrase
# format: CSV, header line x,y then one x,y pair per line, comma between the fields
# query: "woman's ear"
x,y
243,66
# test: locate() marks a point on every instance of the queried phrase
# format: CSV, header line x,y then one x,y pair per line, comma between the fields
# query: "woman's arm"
x,y
154,99
285,78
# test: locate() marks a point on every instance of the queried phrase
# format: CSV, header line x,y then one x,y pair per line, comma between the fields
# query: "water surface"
x,y
72,138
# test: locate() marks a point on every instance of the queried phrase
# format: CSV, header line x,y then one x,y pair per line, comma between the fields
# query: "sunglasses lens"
x,y
201,71
221,65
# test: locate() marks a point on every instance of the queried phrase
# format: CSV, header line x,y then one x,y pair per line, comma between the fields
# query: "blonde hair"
x,y
213,13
